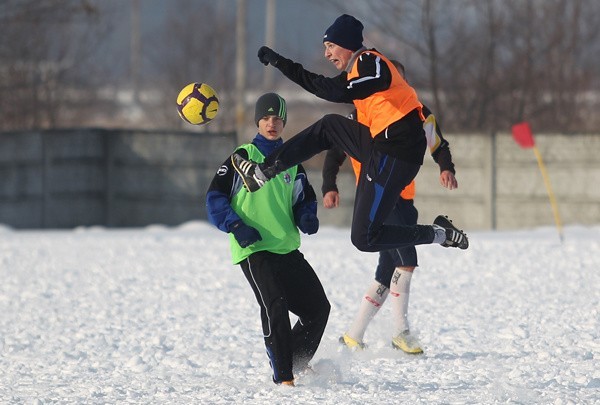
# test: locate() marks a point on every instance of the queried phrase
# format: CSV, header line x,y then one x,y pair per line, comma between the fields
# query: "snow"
x,y
160,315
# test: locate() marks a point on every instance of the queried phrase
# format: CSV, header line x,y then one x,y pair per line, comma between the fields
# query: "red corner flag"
x,y
522,135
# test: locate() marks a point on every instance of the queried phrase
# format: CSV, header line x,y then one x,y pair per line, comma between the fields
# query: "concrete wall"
x,y
509,194
83,177
119,178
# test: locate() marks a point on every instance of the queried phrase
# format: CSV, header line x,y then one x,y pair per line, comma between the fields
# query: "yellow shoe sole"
x,y
400,343
351,343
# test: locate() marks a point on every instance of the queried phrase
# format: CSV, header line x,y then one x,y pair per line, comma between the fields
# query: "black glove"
x,y
266,55
309,224
244,234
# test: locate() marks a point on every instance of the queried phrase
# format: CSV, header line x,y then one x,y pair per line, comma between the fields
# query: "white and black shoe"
x,y
454,236
249,172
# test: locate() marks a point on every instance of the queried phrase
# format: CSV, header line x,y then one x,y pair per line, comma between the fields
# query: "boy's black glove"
x,y
309,224
244,234
266,55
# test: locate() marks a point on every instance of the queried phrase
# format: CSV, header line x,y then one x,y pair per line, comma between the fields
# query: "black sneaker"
x,y
251,175
454,236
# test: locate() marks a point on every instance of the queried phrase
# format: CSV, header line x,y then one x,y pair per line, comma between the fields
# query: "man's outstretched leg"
x,y
382,178
331,130
442,231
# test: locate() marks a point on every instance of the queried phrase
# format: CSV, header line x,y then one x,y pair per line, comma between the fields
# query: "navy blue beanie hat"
x,y
346,31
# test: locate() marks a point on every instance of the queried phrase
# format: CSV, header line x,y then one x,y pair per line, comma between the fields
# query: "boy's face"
x,y
337,55
271,127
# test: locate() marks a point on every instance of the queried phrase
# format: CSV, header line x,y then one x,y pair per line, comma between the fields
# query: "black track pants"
x,y
287,283
381,180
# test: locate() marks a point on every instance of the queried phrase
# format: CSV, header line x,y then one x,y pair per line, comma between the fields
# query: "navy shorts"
x,y
404,213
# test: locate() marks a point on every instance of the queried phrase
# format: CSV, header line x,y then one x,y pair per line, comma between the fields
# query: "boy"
x,y
264,241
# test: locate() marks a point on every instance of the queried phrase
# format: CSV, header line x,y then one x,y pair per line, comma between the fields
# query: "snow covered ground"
x,y
160,315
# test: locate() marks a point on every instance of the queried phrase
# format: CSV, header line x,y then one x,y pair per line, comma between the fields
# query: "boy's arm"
x,y
333,161
334,158
440,150
304,204
438,146
223,186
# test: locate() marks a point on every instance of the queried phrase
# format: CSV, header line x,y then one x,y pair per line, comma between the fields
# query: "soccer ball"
x,y
197,103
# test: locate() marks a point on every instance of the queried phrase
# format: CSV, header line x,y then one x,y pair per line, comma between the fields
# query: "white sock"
x,y
400,291
439,234
259,174
373,299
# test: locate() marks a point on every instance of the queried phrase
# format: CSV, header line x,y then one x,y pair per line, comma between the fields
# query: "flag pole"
x,y
538,156
524,137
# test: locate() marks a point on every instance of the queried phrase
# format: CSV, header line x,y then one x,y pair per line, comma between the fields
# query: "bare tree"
x,y
44,47
481,65
544,51
196,46
486,64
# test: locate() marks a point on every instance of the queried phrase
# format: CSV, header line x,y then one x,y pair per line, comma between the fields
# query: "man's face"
x,y
337,55
271,127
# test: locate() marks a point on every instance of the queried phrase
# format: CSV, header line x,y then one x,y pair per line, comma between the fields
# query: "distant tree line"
x,y
44,55
485,64
58,70
480,65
